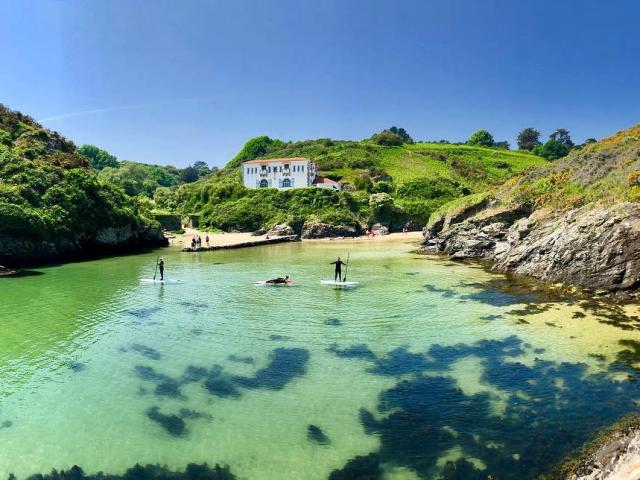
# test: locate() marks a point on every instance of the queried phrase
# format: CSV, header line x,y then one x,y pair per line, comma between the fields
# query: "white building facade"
x,y
279,173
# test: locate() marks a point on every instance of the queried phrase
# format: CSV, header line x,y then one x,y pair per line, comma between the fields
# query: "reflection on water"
x,y
429,370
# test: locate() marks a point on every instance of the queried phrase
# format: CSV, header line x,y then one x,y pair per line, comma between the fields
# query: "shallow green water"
x,y
427,363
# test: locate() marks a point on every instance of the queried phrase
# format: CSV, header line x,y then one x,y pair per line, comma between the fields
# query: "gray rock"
x,y
326,230
282,230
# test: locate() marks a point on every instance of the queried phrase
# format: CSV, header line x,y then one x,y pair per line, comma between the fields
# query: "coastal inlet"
x,y
429,370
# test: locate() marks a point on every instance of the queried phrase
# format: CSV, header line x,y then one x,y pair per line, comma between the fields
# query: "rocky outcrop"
x,y
379,229
595,248
282,230
327,230
18,250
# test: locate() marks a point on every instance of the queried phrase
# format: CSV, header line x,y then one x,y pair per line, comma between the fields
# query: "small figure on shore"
x,y
161,268
206,239
279,280
193,242
338,271
366,232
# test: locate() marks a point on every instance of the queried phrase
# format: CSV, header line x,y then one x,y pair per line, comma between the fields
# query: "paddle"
x,y
156,272
346,268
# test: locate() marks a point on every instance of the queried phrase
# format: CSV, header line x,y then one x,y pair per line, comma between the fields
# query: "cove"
x,y
430,370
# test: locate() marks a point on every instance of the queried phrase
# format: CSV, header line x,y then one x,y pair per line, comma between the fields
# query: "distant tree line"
x,y
139,178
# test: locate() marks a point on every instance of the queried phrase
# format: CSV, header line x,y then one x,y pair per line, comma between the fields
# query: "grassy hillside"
x,y
387,184
49,195
605,173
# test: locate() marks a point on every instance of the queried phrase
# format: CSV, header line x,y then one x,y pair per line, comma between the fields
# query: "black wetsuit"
x,y
338,274
161,268
277,280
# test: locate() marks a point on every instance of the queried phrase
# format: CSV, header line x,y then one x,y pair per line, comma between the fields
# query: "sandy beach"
x,y
224,239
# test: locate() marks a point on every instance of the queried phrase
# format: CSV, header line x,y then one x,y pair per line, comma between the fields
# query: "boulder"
x,y
379,229
326,230
281,230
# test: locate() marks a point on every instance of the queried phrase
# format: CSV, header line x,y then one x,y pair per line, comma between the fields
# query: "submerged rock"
x,y
173,424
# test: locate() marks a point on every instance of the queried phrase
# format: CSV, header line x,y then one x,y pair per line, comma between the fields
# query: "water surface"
x,y
439,370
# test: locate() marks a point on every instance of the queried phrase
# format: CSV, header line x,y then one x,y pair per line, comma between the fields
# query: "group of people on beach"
x,y
196,241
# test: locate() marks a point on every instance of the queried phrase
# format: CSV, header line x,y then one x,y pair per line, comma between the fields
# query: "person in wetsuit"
x,y
279,280
161,268
338,273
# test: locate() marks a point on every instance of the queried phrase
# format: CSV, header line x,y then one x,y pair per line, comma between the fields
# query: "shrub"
x,y
481,138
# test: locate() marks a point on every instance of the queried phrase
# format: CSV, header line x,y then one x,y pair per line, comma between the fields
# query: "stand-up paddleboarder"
x,y
338,272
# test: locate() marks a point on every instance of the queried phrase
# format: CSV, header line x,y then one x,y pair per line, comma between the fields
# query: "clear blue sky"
x,y
179,81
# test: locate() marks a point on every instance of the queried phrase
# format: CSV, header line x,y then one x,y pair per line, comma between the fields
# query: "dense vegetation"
x,y
387,183
140,178
47,191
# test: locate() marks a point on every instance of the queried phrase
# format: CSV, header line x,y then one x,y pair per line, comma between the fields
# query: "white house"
x,y
282,173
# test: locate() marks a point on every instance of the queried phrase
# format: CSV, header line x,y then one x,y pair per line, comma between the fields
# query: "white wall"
x,y
300,173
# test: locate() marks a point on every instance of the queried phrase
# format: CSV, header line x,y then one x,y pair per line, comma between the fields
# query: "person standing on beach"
x,y
338,272
206,239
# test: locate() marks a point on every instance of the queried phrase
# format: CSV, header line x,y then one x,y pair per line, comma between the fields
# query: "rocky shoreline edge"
x,y
594,248
19,251
612,454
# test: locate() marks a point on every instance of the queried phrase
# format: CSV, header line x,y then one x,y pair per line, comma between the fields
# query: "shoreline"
x,y
183,240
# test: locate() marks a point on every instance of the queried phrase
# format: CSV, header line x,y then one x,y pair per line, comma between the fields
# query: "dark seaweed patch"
x,y
6,424
360,351
578,315
611,314
364,467
173,424
138,472
76,366
276,338
556,404
193,307
284,365
411,273
194,373
244,360
197,331
315,434
194,414
142,312
490,317
220,384
334,322
145,351
165,385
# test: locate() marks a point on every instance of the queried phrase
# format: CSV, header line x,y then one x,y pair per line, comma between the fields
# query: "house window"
x,y
286,166
302,168
263,183
286,183
264,167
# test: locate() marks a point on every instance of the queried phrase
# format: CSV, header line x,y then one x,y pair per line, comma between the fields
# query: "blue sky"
x,y
161,81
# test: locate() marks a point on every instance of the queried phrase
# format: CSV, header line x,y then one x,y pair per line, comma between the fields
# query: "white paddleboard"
x,y
339,284
264,283
157,280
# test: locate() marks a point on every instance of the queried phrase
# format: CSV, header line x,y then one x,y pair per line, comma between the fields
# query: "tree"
x,y
528,139
387,138
562,135
189,174
481,138
202,168
551,150
503,145
98,158
402,133
589,141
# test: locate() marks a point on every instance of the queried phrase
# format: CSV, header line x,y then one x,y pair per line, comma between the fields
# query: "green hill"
x,y
52,204
387,184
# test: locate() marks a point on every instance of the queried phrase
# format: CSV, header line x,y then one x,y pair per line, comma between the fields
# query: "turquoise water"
x,y
439,370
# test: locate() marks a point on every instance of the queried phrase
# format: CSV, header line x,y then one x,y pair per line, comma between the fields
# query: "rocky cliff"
x,y
53,207
576,221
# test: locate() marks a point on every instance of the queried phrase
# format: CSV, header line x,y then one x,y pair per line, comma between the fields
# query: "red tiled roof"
x,y
269,160
324,181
